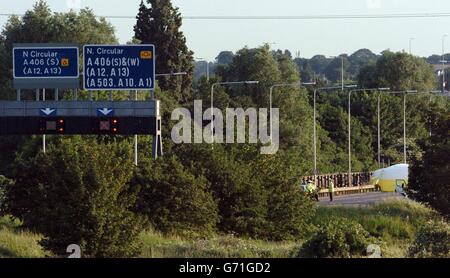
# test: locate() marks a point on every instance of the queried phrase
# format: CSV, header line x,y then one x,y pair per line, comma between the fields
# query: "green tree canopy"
x,y
160,24
399,71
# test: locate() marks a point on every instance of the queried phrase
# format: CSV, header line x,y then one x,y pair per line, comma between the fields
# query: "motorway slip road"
x,y
359,199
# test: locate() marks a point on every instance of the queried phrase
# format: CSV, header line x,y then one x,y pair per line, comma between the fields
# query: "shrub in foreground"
x,y
338,238
174,199
78,193
433,241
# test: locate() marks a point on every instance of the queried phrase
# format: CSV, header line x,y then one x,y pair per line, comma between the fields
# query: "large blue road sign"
x,y
119,67
45,62
42,65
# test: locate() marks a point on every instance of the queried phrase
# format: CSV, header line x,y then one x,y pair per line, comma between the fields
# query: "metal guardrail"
x,y
360,183
340,179
349,190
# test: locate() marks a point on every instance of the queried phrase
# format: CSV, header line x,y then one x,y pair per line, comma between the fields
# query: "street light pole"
x,y
350,128
315,121
443,63
405,161
212,101
349,141
170,74
207,67
379,129
342,74
404,128
298,84
342,87
167,75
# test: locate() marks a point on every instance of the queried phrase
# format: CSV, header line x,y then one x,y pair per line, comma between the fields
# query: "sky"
x,y
329,37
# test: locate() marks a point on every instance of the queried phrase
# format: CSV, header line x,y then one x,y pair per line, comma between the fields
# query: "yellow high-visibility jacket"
x,y
331,187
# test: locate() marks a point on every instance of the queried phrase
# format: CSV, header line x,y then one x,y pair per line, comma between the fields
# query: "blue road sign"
x,y
45,62
119,67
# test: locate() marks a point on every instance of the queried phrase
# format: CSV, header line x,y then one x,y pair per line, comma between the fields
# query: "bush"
x,y
338,238
429,177
4,182
235,186
433,241
289,212
174,199
257,196
78,193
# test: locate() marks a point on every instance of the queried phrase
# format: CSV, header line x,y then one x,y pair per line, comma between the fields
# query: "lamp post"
x,y
342,74
170,74
167,75
443,63
212,100
298,84
342,87
404,93
315,121
350,128
207,67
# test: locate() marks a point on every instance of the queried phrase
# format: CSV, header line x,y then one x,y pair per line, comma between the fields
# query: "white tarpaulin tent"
x,y
391,179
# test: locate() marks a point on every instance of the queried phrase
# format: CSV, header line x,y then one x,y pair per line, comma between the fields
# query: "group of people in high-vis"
x,y
311,189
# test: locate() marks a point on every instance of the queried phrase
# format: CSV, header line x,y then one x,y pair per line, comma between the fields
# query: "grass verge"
x,y
393,223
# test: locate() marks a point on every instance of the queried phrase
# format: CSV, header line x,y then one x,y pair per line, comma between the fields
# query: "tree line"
x,y
85,189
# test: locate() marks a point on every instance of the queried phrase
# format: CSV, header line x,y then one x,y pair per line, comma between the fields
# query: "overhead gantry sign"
x,y
106,67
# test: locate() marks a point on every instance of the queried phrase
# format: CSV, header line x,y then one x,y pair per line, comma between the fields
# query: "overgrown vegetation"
x,y
86,191
339,238
74,194
18,243
430,175
433,241
427,236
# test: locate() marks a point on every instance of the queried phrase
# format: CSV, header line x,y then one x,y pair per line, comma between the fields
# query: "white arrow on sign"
x,y
48,111
105,111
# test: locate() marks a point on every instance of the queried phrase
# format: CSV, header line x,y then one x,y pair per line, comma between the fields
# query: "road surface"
x,y
359,199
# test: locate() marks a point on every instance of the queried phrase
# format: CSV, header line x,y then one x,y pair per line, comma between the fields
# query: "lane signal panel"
x,y
78,125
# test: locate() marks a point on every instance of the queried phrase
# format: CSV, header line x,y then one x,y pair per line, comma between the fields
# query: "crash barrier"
x,y
360,183
349,190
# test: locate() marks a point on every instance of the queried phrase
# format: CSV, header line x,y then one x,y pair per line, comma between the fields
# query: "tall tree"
x,y
399,71
160,24
429,180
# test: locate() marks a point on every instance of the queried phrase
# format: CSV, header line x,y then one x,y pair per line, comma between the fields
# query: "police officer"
x,y
312,190
330,189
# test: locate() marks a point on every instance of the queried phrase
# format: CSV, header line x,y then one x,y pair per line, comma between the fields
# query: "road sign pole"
x,y
136,137
18,95
43,137
56,94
